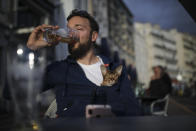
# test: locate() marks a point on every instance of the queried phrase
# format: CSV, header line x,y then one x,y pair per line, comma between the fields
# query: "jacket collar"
x,y
70,59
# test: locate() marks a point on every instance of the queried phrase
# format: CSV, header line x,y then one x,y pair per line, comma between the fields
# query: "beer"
x,y
60,35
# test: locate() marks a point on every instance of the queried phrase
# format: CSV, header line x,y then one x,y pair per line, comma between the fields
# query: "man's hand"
x,y
35,40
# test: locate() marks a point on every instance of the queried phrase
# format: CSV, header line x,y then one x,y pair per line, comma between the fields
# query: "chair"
x,y
164,108
51,111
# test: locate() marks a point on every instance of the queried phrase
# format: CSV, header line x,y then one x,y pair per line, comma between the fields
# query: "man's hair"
x,y
82,13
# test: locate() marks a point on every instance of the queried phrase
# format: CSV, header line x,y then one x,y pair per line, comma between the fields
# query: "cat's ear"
x,y
103,70
118,70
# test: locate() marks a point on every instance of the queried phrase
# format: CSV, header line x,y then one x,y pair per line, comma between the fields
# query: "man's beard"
x,y
80,51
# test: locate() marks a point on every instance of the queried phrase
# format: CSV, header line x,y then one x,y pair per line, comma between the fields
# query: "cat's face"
x,y
110,77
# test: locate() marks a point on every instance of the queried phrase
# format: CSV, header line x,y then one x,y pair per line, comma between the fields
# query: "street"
x,y
181,106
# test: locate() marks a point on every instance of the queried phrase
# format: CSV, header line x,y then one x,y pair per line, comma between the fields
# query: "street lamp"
x,y
179,77
31,60
20,51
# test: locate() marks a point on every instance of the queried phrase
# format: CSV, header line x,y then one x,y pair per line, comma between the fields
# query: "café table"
x,y
140,123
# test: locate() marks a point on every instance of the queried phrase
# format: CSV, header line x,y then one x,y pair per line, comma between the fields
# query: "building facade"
x,y
116,25
160,49
169,48
121,30
186,56
141,56
100,11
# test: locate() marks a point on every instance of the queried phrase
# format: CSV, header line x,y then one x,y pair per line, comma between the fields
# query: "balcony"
x,y
162,38
189,48
162,47
167,60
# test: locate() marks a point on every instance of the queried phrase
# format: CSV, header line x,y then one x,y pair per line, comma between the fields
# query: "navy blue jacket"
x,y
74,91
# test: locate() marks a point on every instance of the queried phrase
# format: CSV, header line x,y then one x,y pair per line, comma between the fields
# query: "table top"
x,y
178,123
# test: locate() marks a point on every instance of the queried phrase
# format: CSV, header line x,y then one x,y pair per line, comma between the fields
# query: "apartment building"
x,y
154,46
116,25
186,56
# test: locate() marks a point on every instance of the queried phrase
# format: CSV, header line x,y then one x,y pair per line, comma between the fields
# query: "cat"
x,y
110,77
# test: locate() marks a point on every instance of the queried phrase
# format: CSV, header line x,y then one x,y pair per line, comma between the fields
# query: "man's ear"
x,y
94,36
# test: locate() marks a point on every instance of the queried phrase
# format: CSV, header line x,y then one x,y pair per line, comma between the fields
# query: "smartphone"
x,y
98,111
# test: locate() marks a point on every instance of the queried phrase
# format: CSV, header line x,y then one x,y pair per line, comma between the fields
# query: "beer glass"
x,y
66,35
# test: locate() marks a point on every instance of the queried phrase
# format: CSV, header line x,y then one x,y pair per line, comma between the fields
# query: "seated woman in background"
x,y
160,84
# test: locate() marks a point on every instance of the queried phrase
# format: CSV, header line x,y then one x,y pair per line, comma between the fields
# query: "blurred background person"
x,y
160,84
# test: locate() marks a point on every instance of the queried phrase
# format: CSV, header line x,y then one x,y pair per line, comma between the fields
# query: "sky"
x,y
167,13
